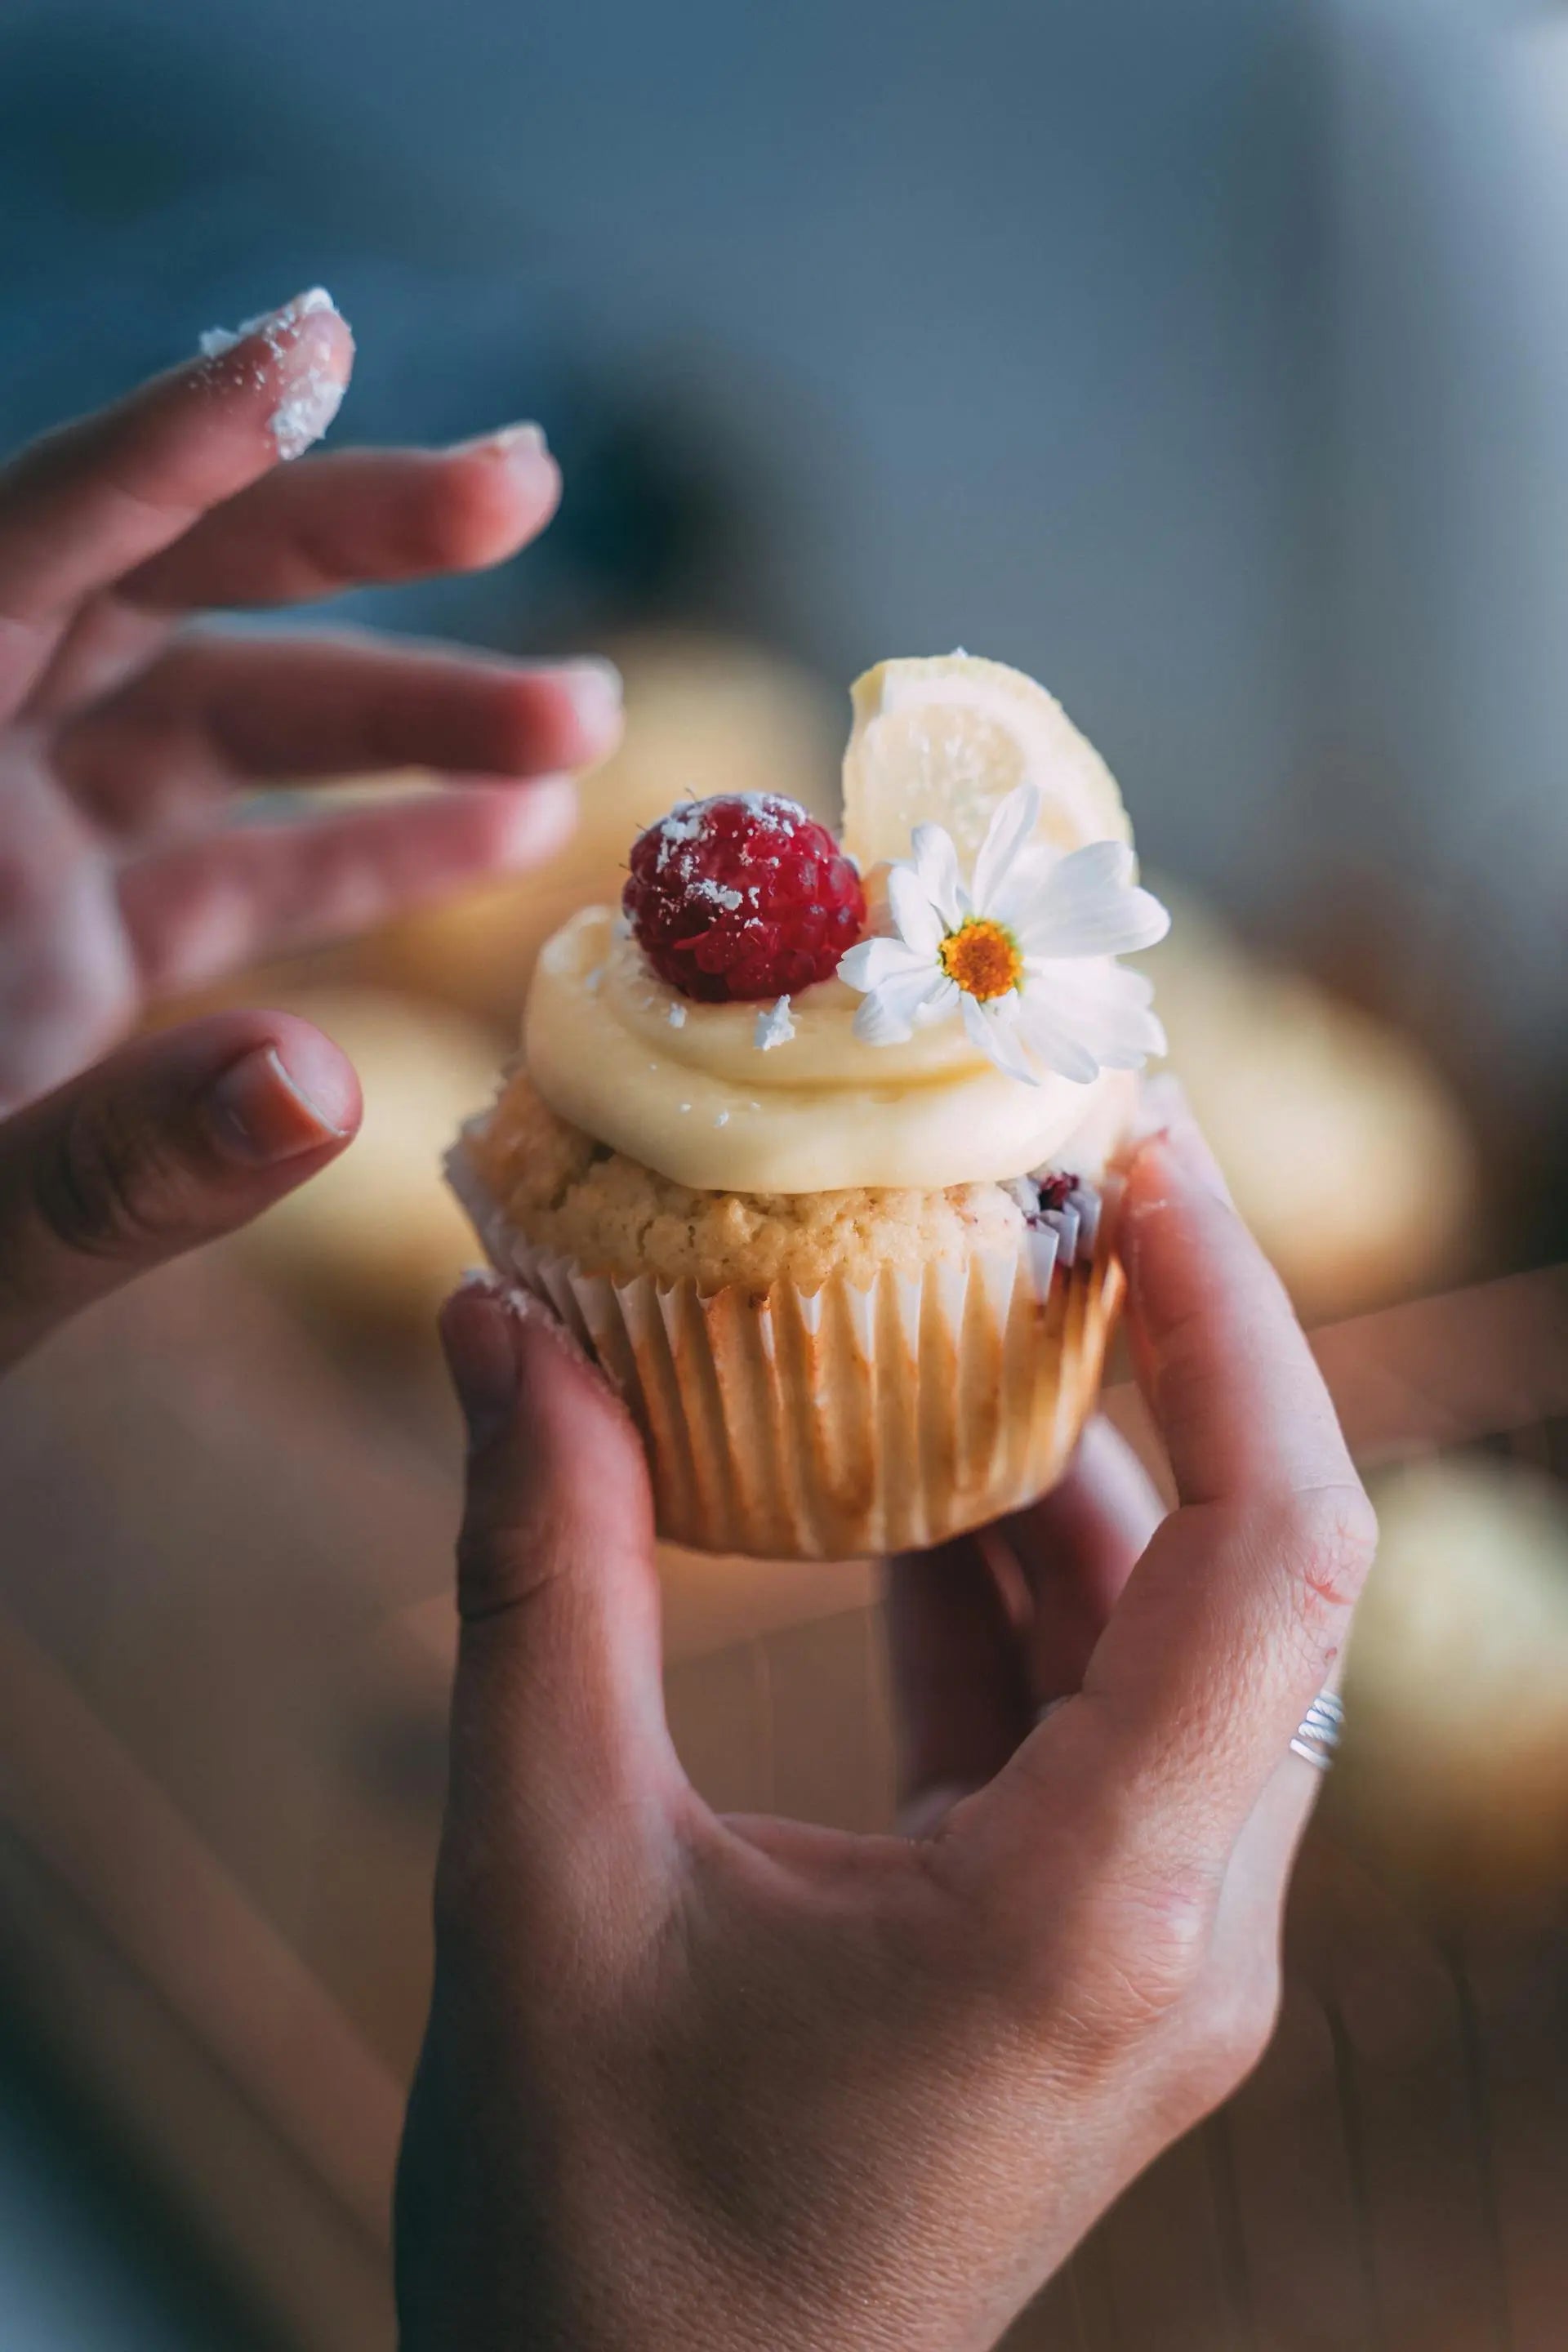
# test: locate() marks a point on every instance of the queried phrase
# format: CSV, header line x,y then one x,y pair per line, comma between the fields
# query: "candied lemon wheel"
x,y
943,741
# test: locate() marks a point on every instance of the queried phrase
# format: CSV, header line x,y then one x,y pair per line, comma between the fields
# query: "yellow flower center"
x,y
982,958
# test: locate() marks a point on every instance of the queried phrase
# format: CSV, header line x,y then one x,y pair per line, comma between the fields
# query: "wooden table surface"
x,y
224,1643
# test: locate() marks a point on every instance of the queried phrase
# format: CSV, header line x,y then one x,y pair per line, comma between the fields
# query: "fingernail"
x,y
311,382
290,315
476,1328
263,1112
1184,1150
1161,1104
274,324
538,1315
1195,1150
597,691
517,444
487,1305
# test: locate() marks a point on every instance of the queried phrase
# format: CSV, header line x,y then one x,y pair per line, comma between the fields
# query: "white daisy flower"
x,y
1024,954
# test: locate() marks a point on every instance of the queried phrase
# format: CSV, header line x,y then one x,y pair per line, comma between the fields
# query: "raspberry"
x,y
1054,1187
743,897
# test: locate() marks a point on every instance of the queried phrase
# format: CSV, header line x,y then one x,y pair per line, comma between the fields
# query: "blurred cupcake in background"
x,y
1348,1154
1455,1765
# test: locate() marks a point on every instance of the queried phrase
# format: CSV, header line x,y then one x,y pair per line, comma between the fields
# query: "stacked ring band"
x,y
1319,1734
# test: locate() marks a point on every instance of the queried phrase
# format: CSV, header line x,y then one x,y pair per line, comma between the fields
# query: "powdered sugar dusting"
x,y
775,817
676,1016
742,897
773,1027
304,413
674,832
312,397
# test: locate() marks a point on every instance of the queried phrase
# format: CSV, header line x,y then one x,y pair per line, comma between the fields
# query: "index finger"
x,y
1232,1620
90,501
1221,1359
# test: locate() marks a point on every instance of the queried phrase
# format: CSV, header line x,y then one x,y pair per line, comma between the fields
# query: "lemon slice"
x,y
943,741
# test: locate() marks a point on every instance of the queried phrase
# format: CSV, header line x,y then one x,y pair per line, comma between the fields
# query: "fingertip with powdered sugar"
x,y
310,395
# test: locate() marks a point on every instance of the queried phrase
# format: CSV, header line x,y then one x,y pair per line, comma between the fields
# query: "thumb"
x,y
562,1773
173,1141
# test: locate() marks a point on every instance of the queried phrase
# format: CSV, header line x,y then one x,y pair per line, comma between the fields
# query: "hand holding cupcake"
x,y
812,1143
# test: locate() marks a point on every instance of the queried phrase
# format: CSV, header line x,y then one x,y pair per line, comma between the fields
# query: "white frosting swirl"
x,y
684,1088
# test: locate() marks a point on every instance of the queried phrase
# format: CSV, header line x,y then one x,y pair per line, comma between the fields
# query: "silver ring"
x,y
1318,1734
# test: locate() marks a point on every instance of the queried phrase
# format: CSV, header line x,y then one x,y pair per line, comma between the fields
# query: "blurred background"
x,y
1210,364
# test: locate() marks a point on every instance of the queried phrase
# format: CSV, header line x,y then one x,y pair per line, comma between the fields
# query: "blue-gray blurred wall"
x,y
1206,360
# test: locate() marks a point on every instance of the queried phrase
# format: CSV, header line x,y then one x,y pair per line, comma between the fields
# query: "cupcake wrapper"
x,y
823,1424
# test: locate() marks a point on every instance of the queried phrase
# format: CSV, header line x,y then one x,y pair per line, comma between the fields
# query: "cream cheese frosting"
x,y
685,1088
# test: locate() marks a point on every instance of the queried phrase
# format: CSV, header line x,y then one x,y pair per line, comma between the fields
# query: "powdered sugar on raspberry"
x,y
681,826
743,897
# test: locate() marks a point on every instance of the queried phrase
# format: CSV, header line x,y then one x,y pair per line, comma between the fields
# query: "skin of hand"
x,y
129,740
693,2081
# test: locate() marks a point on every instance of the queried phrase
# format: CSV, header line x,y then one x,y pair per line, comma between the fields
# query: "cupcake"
x,y
1346,1152
811,1141
1455,1768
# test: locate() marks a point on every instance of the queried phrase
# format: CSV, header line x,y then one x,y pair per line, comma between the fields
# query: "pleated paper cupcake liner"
x,y
829,1423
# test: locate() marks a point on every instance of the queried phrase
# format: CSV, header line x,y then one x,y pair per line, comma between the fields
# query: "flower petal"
x,y
945,998
1013,820
1089,979
1020,890
871,962
1054,1041
1101,1010
936,863
894,1009
921,926
1087,907
992,1030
